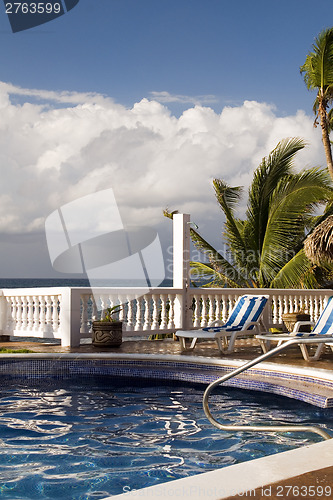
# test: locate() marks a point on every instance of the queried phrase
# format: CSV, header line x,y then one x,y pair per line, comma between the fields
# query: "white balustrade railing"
x,y
67,313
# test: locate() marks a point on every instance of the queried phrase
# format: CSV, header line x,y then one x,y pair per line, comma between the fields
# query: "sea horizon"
x,y
74,282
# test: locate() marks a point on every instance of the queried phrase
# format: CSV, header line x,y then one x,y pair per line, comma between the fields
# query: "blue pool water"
x,y
81,440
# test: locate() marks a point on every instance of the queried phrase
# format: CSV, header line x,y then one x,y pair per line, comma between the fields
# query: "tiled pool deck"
x,y
289,365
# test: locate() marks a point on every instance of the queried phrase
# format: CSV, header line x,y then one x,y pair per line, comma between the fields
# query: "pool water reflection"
x,y
76,439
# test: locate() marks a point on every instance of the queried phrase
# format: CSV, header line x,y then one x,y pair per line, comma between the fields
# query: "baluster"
x,y
231,304
109,301
323,303
12,320
316,308
18,325
48,315
311,308
105,303
138,319
155,324
130,315
274,301
30,316
36,313
204,312
100,307
171,323
42,313
24,316
94,308
224,308
122,303
218,307
196,314
55,313
84,327
164,313
147,320
301,303
211,312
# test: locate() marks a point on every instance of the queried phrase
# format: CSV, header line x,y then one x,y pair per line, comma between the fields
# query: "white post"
x,y
4,337
181,269
70,317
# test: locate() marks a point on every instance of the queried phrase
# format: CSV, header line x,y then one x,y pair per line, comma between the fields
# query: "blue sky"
x,y
127,49
154,99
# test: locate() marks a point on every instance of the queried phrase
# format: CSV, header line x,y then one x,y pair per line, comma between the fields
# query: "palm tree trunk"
x,y
326,139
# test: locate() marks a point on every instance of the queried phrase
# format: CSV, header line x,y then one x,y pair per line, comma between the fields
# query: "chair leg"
x,y
183,345
231,342
320,350
305,352
193,343
219,344
316,356
265,345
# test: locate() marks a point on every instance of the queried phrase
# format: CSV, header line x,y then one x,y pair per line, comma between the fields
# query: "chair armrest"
x,y
256,325
298,324
216,322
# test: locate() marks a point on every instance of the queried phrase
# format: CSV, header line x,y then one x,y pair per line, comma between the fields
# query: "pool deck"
x,y
300,471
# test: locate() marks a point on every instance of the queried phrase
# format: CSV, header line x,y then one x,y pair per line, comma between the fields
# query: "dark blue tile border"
x,y
260,380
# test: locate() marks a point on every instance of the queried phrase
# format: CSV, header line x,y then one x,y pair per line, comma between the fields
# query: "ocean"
x,y
71,282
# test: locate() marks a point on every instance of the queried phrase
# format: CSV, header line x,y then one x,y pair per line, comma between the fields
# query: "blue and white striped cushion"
x,y
248,308
324,325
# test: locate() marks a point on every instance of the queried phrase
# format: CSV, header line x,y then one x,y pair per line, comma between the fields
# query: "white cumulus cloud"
x,y
56,147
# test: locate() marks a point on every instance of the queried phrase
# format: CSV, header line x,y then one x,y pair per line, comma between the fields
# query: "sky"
x,y
154,99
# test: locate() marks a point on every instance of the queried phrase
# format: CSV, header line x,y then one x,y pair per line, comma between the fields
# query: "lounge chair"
x,y
244,319
321,334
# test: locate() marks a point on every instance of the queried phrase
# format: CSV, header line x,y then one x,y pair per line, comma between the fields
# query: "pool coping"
x,y
267,474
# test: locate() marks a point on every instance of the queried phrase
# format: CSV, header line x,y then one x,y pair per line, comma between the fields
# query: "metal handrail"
x,y
259,428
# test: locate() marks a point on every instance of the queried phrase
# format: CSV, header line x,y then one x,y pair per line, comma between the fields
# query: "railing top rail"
x,y
88,290
7,292
258,291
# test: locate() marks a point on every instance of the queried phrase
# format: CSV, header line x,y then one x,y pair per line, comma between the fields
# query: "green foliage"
x,y
109,312
318,68
265,249
14,351
318,76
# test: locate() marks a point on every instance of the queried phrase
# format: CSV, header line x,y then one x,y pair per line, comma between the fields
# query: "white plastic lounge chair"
x,y
244,319
321,334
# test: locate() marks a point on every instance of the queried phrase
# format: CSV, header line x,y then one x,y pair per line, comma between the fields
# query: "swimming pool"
x,y
82,439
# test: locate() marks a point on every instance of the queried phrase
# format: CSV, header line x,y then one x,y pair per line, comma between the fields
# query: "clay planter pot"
x,y
289,319
107,334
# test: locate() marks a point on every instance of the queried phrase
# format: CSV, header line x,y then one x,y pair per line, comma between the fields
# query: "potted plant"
x,y
290,319
108,331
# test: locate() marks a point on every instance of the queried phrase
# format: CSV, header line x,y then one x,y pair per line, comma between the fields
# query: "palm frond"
x,y
227,198
294,198
298,272
271,170
205,272
317,69
217,261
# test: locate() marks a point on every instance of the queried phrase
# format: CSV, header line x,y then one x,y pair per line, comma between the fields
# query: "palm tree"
x,y
318,75
265,249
